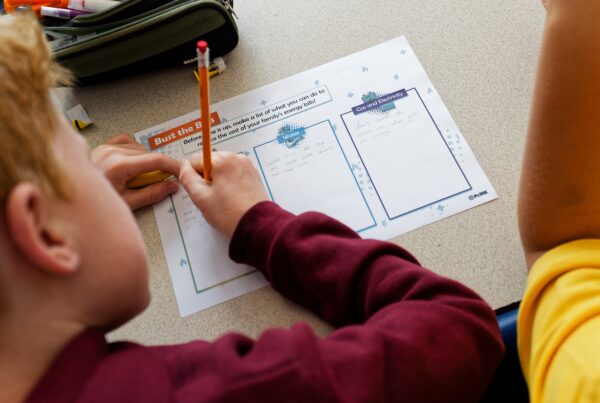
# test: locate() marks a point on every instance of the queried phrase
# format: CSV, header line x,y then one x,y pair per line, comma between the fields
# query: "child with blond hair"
x,y
73,267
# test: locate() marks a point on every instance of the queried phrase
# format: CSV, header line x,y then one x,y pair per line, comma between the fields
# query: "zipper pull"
x,y
229,8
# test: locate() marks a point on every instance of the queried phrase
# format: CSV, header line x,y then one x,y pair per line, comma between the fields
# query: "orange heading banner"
x,y
180,132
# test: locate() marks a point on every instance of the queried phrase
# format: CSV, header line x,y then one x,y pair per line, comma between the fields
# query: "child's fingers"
x,y
189,174
191,180
130,146
120,139
134,165
197,163
149,195
124,149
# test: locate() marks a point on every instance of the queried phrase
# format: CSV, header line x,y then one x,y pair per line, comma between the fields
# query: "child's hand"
x,y
234,189
122,159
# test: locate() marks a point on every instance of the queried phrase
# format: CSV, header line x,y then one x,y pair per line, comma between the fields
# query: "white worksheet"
x,y
315,167
404,138
365,139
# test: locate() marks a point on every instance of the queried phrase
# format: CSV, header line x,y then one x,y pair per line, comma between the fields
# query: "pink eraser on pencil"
x,y
202,46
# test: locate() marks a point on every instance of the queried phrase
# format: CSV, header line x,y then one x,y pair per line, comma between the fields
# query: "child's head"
x,y
69,246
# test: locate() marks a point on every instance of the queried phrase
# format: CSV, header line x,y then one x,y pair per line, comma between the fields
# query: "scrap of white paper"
x,y
365,139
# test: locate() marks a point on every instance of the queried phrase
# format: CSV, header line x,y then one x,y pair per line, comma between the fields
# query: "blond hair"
x,y
28,118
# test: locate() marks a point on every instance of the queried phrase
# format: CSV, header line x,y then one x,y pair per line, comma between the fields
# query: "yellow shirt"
x,y
559,325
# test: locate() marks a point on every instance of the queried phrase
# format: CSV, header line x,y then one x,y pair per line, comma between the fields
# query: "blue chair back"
x,y
508,384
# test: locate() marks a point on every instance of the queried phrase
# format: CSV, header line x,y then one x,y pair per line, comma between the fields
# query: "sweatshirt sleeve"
x,y
559,324
404,333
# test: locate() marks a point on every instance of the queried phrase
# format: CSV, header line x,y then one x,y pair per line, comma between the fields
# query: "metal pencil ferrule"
x,y
203,58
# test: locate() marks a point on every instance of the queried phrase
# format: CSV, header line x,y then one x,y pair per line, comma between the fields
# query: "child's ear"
x,y
37,234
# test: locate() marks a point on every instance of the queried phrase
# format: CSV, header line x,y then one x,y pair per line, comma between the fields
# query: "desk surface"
x,y
481,57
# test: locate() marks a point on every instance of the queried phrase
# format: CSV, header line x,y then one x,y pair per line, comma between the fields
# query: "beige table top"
x,y
481,57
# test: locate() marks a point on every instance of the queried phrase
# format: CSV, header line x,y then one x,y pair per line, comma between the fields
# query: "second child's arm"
x,y
559,207
559,197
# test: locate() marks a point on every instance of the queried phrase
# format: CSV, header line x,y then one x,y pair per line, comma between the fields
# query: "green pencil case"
x,y
142,35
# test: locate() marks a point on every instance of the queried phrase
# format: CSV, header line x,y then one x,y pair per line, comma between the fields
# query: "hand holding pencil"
x,y
235,188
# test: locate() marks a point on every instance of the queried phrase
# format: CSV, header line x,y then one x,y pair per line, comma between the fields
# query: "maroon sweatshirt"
x,y
403,332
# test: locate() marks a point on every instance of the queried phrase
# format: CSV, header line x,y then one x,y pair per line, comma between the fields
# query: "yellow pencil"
x,y
203,62
147,178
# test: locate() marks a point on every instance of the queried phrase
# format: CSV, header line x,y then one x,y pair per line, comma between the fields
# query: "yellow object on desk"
x,y
147,178
216,67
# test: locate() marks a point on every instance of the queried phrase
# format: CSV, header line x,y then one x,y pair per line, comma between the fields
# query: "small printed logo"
x,y
291,135
478,195
379,104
